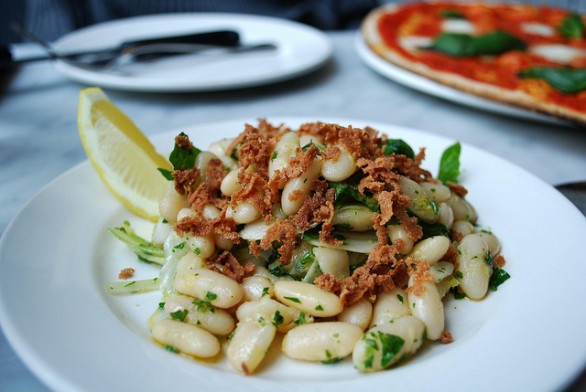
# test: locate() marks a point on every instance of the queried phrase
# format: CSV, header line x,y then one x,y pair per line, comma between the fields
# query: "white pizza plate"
x,y
56,257
431,87
300,50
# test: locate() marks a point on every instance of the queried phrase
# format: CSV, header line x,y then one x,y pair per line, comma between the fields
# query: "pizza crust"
x,y
375,42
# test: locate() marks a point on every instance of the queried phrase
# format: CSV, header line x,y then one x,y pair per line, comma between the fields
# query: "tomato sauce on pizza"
x,y
463,39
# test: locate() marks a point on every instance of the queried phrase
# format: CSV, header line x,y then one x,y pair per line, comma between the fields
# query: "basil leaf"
x,y
451,14
572,26
565,80
498,277
461,45
166,173
346,191
183,158
449,168
391,345
398,146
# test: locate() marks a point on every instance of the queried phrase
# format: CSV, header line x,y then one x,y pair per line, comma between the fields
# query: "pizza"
x,y
524,55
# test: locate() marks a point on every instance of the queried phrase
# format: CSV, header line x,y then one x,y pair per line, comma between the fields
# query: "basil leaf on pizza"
x,y
572,26
451,14
463,45
565,80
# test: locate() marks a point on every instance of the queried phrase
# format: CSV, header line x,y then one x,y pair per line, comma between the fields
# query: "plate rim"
x,y
56,380
158,85
430,87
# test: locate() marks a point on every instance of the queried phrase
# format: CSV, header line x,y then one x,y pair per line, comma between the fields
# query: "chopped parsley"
x,y
459,275
173,349
203,306
498,277
293,299
211,296
265,291
179,314
275,155
301,319
400,298
278,319
319,308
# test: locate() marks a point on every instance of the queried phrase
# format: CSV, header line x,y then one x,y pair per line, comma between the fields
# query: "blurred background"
x,y
50,19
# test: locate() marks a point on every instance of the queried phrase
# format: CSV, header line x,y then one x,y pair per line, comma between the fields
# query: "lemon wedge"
x,y
121,154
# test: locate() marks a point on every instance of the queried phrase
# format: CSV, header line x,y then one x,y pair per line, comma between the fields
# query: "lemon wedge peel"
x,y
124,158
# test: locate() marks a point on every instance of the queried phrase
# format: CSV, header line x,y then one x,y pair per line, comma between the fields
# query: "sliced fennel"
x,y
144,249
133,286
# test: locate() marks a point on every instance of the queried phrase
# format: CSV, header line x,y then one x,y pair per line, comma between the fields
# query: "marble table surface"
x,y
39,141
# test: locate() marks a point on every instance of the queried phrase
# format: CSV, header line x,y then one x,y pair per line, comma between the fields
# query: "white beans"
x,y
446,215
473,271
192,311
285,149
431,249
441,270
271,311
324,342
170,204
494,245
308,298
397,232
333,261
340,168
390,305
185,212
257,287
358,314
296,189
219,150
186,338
205,284
202,246
230,183
462,209
420,204
245,212
190,263
437,191
463,227
426,304
161,231
355,217
210,211
386,344
249,345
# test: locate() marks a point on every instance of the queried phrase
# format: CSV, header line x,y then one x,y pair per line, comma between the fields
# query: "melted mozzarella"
x,y
458,26
538,29
559,53
414,42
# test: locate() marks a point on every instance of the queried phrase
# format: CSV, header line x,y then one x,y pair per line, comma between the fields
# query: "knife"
x,y
219,38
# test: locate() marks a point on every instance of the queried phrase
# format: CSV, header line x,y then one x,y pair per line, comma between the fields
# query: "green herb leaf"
x,y
398,146
168,174
183,158
265,291
572,26
319,308
278,319
179,314
449,167
391,345
301,319
498,277
565,80
451,14
173,349
293,299
211,296
433,229
345,191
463,45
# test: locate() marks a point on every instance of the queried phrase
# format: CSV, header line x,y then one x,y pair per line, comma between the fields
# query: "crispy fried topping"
x,y
446,337
282,232
228,265
458,189
126,273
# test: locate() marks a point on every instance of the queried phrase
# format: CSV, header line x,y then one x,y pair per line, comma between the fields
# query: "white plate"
x,y
56,257
301,49
431,87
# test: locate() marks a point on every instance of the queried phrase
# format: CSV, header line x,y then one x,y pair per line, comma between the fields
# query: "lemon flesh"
x,y
121,154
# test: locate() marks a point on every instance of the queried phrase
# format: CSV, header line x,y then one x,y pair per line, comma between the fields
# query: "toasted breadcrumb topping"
x,y
377,176
126,273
